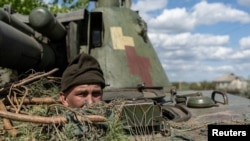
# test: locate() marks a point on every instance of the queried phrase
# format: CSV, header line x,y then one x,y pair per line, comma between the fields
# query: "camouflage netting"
x,y
30,111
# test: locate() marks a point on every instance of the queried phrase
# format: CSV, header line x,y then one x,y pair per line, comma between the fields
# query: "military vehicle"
x,y
117,37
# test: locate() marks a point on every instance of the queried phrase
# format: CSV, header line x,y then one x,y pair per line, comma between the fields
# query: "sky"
x,y
199,40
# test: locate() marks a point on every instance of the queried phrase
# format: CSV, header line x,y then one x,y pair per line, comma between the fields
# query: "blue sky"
x,y
199,40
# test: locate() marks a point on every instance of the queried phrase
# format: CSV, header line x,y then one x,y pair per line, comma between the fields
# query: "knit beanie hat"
x,y
84,69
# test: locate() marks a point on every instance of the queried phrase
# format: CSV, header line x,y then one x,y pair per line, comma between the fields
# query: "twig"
x,y
11,103
15,99
6,122
77,114
29,79
49,120
33,100
35,77
21,103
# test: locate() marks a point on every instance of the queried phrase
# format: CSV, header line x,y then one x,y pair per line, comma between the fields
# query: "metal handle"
x,y
224,95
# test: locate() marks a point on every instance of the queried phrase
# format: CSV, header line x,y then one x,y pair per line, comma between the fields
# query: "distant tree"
x,y
23,6
205,85
181,85
71,4
176,84
194,86
55,6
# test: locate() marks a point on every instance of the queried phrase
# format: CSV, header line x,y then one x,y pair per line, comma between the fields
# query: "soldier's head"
x,y
82,82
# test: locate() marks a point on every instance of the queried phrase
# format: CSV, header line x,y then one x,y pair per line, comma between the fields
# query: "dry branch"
x,y
34,100
28,80
24,81
49,120
6,122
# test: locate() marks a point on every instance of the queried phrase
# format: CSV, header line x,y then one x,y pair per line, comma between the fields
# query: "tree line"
x,y
55,6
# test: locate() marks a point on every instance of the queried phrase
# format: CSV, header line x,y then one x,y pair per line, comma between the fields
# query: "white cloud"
x,y
173,20
245,43
149,5
210,13
200,71
213,53
178,20
188,40
146,6
243,66
240,55
244,2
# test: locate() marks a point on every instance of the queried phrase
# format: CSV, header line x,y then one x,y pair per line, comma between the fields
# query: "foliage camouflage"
x,y
49,87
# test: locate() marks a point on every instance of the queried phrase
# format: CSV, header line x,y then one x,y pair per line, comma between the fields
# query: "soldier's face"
x,y
78,96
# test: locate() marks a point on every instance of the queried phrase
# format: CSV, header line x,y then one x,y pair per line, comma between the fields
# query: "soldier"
x,y
82,82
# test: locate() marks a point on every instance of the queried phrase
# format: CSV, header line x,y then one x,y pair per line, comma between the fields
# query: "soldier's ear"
x,y
63,99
